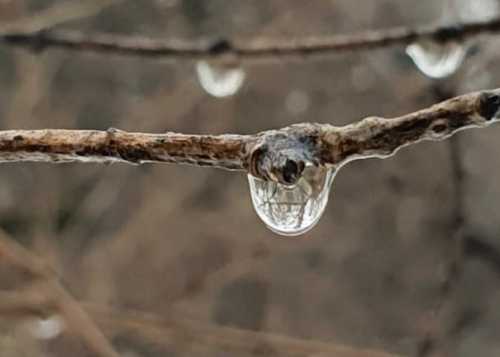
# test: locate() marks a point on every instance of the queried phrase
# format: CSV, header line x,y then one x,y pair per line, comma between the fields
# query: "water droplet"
x,y
46,329
437,60
219,80
292,210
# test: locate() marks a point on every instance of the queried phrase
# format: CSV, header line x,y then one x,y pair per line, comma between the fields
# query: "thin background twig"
x,y
49,288
42,36
55,15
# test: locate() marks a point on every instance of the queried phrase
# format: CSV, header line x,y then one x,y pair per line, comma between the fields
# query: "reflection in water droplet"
x,y
437,60
292,210
46,329
219,80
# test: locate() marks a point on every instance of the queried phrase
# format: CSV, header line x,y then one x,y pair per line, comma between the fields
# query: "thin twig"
x,y
23,260
80,322
55,15
277,155
200,337
51,294
243,49
30,301
205,338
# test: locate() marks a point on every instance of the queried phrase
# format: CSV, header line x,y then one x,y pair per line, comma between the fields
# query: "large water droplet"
x,y
219,80
292,210
437,60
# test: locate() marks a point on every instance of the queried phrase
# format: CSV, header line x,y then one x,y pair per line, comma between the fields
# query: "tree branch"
x,y
55,15
49,294
277,155
207,338
200,337
244,49
30,301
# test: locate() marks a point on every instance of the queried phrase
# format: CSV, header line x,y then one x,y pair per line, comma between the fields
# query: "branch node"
x,y
448,33
111,134
112,131
35,42
220,47
283,155
489,106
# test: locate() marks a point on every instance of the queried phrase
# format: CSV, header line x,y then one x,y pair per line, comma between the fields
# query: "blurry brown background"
x,y
180,247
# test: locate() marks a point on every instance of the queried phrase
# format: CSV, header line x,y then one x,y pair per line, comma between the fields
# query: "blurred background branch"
x,y
37,34
53,16
47,290
46,296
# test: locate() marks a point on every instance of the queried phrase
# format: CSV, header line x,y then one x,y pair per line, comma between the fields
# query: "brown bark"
x,y
278,155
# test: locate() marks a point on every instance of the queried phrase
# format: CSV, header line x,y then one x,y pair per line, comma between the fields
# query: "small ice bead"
x,y
292,210
219,80
437,60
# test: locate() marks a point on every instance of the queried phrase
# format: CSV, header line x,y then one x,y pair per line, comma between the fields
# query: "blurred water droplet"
x,y
437,60
46,329
297,102
292,210
219,80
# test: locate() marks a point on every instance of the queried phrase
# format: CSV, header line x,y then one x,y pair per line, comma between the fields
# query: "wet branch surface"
x,y
253,49
277,155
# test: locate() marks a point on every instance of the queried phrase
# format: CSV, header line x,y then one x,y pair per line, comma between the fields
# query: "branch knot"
x,y
489,106
281,156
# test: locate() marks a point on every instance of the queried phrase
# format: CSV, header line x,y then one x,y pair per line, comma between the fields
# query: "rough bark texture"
x,y
226,151
278,155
